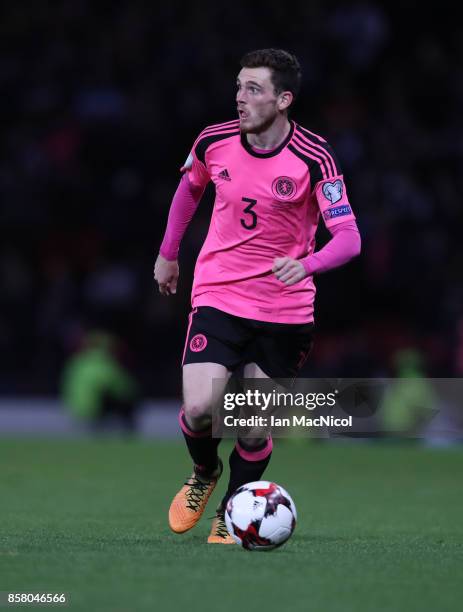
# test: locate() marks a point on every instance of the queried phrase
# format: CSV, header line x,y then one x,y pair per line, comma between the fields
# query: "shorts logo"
x,y
198,343
284,187
339,211
333,191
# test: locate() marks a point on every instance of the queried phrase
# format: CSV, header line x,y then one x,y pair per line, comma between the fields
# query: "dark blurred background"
x,y
100,104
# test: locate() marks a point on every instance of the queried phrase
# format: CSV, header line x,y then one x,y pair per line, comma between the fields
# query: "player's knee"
x,y
197,411
257,440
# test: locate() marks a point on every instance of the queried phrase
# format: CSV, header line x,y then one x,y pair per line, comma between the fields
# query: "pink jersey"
x,y
267,205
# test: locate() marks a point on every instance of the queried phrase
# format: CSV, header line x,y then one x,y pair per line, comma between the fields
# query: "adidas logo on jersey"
x,y
224,175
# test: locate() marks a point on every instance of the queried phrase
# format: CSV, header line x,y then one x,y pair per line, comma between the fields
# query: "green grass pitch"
x,y
380,528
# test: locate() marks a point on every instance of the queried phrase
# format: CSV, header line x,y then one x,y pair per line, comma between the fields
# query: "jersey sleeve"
x,y
198,174
327,183
332,200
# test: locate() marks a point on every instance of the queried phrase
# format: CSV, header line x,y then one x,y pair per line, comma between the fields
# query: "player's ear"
x,y
284,100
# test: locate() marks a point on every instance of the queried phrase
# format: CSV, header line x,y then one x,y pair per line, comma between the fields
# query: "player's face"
x,y
258,104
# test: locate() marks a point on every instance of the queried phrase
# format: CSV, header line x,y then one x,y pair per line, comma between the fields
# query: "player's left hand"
x,y
288,271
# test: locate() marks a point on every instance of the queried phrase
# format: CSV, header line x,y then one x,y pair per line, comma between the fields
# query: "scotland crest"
x,y
284,188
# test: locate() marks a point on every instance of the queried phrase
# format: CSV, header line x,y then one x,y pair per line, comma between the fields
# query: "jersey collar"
x,y
280,147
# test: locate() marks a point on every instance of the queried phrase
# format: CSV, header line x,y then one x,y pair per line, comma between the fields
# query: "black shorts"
x,y
279,349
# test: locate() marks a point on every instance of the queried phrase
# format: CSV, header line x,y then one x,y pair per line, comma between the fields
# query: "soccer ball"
x,y
260,515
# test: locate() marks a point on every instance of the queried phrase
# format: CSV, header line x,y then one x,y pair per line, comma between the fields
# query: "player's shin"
x,y
247,464
201,446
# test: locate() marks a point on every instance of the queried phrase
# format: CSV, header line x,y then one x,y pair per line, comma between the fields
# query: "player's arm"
x,y
343,246
183,207
345,240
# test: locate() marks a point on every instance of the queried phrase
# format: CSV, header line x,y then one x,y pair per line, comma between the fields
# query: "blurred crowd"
x,y
101,102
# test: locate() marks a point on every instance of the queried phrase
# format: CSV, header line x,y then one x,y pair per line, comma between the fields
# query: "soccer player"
x,y
253,291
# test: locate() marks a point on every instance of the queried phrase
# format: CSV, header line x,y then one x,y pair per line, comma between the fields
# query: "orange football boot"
x,y
188,505
219,532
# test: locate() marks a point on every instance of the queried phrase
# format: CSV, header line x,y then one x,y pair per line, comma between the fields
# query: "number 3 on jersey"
x,y
249,223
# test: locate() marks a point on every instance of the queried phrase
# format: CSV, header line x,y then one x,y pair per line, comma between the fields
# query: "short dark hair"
x,y
284,66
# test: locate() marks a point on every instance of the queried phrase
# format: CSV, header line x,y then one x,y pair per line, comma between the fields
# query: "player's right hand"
x,y
166,274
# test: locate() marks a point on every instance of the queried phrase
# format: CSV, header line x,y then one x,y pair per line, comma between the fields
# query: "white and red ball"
x,y
260,515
